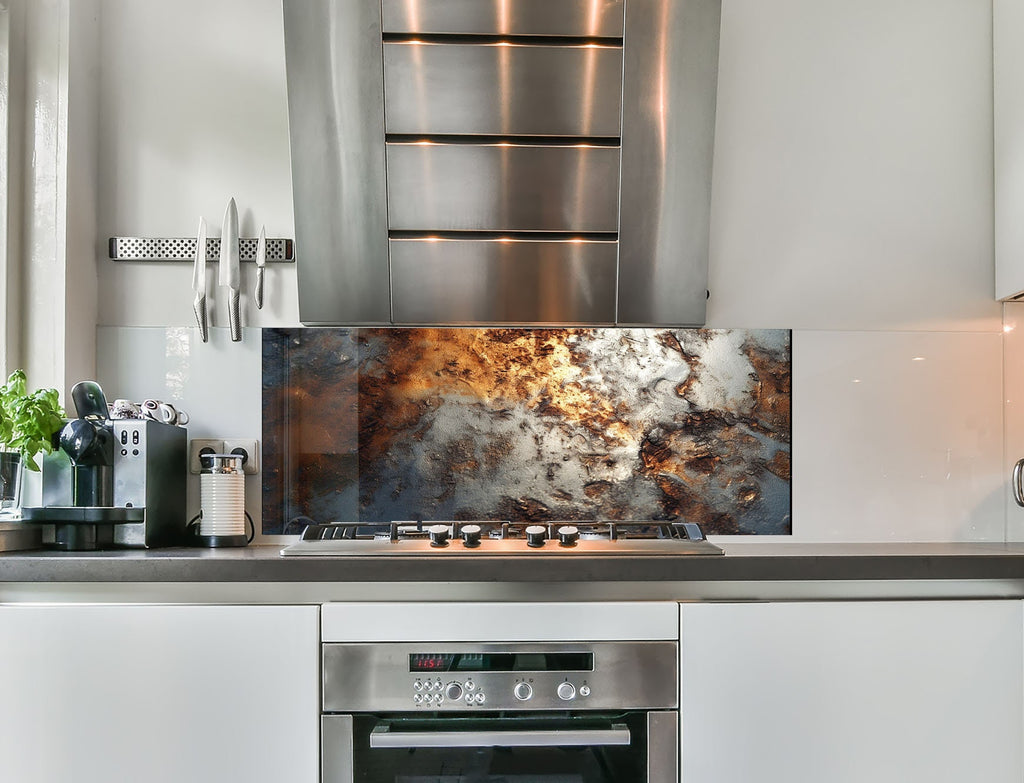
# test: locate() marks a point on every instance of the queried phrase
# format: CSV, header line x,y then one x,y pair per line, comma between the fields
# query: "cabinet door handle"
x,y
1018,486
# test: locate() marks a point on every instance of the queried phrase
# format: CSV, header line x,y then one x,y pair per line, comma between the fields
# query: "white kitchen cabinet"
x,y
1008,130
161,694
849,692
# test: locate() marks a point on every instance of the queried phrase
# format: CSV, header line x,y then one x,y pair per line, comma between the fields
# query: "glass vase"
x,y
11,469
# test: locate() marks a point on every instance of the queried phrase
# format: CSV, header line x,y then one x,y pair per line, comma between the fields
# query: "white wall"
x,y
852,203
853,166
194,112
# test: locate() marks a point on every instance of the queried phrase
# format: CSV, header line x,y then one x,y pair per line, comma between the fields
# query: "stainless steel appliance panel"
x,y
671,66
376,678
596,18
502,187
150,464
503,281
336,124
662,746
502,89
336,743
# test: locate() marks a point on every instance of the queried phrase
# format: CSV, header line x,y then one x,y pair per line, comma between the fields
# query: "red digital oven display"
x,y
430,662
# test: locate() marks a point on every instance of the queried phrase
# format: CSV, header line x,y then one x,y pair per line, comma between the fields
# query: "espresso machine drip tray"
x,y
89,515
80,528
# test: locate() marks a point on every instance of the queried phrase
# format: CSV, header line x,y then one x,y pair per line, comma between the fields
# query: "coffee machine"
x,y
117,482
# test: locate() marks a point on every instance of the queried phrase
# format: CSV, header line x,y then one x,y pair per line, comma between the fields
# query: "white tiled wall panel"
x,y
1013,408
219,384
897,436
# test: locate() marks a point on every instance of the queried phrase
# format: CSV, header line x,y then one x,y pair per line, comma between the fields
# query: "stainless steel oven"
x,y
517,712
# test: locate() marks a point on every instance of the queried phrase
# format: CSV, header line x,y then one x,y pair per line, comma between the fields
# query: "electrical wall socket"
x,y
251,449
196,446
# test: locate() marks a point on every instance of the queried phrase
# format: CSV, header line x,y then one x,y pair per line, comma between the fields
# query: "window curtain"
x,y
48,152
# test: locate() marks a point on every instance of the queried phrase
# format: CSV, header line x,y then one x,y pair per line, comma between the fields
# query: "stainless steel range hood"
x,y
502,161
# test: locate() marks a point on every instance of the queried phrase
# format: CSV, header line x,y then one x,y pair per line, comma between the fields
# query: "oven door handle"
x,y
383,737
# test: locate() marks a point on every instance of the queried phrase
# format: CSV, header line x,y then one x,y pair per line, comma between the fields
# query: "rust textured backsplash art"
x,y
528,424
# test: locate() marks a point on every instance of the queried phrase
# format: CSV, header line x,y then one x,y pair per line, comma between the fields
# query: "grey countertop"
x,y
742,562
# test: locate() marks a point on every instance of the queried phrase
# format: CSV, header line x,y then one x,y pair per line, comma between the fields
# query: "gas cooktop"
x,y
500,538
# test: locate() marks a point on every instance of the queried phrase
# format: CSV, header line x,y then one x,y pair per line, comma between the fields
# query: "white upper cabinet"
x,y
1008,111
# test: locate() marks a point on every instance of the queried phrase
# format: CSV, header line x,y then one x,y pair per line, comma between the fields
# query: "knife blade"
x,y
261,262
199,282
229,272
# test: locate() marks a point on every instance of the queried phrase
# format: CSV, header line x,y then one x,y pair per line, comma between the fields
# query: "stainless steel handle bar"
x,y
382,737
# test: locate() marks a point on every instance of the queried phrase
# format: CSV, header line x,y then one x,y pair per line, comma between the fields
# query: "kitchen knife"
x,y
261,262
229,274
199,281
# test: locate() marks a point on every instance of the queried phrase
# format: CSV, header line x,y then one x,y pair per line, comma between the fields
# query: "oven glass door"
x,y
605,748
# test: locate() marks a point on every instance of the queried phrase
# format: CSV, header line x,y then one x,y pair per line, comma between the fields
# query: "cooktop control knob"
x,y
438,535
535,535
453,692
568,535
522,691
470,535
566,691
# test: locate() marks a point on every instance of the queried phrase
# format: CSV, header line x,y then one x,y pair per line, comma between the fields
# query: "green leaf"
x,y
28,422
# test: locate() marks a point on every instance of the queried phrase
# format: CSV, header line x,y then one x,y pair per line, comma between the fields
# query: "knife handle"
x,y
234,317
199,306
258,294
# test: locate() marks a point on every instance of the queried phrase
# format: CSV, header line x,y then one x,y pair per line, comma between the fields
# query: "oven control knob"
x,y
584,690
470,535
522,691
568,535
438,535
535,535
566,691
453,692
